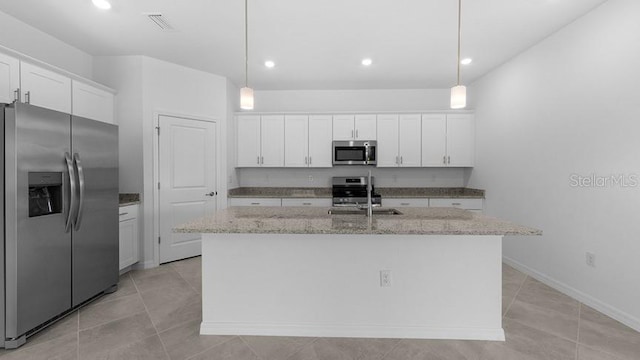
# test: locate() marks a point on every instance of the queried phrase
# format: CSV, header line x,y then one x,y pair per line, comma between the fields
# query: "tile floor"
x,y
155,314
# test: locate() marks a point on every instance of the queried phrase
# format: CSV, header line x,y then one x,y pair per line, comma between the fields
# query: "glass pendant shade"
x,y
458,97
246,98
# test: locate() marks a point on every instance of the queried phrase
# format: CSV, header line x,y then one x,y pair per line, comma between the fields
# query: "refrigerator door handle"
x,y
72,195
76,160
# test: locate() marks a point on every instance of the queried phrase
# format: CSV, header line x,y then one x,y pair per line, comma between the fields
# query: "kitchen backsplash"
x,y
385,177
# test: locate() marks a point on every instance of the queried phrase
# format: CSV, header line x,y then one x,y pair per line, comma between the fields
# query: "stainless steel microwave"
x,y
354,152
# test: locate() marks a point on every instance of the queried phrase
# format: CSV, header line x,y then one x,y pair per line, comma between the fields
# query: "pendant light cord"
x,y
246,44
459,26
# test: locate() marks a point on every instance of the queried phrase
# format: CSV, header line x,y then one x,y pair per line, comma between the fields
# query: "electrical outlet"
x,y
591,259
385,278
310,178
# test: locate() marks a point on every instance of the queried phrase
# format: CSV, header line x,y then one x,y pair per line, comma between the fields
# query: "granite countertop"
x,y
280,192
307,220
129,199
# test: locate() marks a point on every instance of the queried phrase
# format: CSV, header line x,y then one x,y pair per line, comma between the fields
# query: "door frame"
x,y
156,172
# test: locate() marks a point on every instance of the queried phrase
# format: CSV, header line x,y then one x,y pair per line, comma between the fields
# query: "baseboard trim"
x,y
311,330
586,299
143,265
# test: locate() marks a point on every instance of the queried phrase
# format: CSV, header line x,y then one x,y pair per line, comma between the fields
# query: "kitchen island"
x,y
432,273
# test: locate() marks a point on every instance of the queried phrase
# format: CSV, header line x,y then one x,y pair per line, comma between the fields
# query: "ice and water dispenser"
x,y
45,193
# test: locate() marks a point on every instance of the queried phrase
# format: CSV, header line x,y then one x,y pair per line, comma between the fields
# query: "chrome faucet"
x,y
369,201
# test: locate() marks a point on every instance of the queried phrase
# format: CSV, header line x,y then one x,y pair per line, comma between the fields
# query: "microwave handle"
x,y
366,155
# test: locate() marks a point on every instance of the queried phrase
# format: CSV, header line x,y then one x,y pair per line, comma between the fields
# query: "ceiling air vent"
x,y
160,21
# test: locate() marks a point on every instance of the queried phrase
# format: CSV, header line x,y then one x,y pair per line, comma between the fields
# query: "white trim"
x,y
360,331
156,175
350,112
586,299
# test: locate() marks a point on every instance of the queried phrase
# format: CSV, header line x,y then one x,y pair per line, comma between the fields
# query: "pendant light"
x,y
459,92
246,93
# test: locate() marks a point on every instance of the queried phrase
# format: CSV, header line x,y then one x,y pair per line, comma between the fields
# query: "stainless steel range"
x,y
352,191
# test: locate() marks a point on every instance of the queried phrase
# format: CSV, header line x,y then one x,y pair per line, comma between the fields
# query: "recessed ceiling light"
x,y
270,64
367,62
102,4
466,61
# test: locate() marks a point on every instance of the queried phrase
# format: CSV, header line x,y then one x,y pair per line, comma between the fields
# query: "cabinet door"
x,y
460,140
365,126
409,202
469,204
343,127
307,202
409,140
255,202
128,236
9,78
44,88
387,149
272,141
434,140
296,135
320,135
91,102
248,140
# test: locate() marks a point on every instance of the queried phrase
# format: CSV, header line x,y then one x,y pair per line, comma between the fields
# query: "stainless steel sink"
x,y
352,211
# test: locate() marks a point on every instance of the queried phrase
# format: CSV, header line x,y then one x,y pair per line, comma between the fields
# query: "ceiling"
x,y
315,44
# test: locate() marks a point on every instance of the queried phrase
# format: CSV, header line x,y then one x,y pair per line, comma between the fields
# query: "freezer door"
x,y
37,245
95,235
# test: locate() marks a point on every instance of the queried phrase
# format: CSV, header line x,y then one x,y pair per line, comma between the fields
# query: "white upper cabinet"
x,y
45,88
272,141
399,140
387,148
448,140
296,141
320,147
434,140
9,78
248,131
460,140
91,102
354,127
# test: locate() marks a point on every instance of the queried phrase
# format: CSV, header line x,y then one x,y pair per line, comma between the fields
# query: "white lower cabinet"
x,y
405,202
467,204
255,202
323,202
128,235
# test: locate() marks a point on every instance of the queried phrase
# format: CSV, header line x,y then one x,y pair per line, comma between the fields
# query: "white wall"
x,y
158,87
24,38
233,105
350,100
569,105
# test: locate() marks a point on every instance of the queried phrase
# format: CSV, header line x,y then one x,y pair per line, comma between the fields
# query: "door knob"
x,y
213,193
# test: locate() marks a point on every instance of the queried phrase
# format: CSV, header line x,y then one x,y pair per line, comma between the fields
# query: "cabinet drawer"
x,y
255,202
411,202
306,202
128,212
469,204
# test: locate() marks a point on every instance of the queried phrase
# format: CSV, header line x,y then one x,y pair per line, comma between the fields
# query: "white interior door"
x,y
188,189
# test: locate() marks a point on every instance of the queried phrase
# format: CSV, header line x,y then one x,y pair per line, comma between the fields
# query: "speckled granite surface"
x,y
129,199
278,192
306,220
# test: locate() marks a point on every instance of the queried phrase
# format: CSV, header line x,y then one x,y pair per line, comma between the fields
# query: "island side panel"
x,y
442,286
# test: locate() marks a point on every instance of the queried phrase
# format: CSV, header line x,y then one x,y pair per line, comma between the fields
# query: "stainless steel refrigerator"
x,y
60,216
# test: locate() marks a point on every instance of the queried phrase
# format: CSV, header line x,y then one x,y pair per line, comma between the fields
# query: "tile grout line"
x,y
302,348
149,315
514,297
391,350
187,281
209,348
250,348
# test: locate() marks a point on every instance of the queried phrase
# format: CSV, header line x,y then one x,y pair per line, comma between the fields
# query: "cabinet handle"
x,y
405,204
123,214
255,203
456,204
306,203
352,134
448,159
309,160
396,160
27,97
16,95
356,133
306,162
258,160
444,159
400,159
262,160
